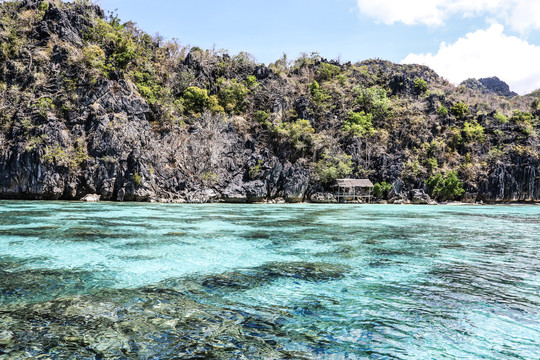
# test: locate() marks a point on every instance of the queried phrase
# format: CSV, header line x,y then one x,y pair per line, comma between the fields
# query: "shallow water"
x,y
163,281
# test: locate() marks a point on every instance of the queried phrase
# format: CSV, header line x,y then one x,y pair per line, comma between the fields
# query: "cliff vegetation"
x,y
89,104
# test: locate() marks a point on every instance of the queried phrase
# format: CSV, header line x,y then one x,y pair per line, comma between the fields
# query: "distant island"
x,y
93,106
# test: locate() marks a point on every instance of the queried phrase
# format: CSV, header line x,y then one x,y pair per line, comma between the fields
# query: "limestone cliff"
x,y
90,105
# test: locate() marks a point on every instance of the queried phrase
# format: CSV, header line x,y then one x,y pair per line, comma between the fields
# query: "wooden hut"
x,y
353,190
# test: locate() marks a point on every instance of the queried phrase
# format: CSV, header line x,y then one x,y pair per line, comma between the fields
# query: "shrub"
x,y
372,100
500,117
327,71
359,124
137,179
319,96
431,164
459,109
445,188
195,100
70,157
472,131
209,178
535,105
44,105
251,81
442,110
420,85
43,6
231,95
332,167
261,117
298,132
255,170
382,189
94,57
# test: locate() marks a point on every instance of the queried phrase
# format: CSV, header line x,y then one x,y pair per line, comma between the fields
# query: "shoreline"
x,y
220,202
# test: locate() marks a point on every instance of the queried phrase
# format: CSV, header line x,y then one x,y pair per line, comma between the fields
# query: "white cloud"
x,y
486,53
520,15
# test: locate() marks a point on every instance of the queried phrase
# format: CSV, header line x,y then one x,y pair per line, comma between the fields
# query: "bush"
x,y
472,131
137,179
459,109
232,95
44,105
94,57
261,117
372,100
298,132
442,110
43,6
359,124
382,189
320,97
420,85
195,100
500,117
251,81
327,71
445,188
332,167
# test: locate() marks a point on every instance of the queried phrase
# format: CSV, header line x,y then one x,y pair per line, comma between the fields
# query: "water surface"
x,y
163,281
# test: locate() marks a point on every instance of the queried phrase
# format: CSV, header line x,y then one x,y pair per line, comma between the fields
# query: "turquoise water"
x,y
162,281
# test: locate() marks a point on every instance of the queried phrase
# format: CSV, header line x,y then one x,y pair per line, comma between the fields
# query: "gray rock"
x,y
397,189
91,198
202,196
323,198
418,196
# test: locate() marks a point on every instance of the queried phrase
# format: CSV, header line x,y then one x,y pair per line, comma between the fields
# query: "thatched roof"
x,y
352,183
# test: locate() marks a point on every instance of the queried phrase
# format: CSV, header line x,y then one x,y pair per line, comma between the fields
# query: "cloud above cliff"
x,y
486,53
519,15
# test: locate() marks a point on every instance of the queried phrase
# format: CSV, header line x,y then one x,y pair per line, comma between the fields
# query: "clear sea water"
x,y
164,281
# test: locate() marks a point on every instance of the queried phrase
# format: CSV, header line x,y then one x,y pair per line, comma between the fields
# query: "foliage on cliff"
x,y
370,119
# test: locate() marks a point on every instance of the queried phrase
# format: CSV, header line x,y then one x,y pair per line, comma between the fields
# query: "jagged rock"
x,y
469,197
255,191
302,106
202,196
397,189
324,198
418,196
91,198
491,85
296,182
512,182
262,72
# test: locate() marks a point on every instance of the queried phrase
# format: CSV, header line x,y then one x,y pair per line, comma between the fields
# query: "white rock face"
x,y
91,198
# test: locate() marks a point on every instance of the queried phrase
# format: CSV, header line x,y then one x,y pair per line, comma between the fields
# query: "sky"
x,y
459,39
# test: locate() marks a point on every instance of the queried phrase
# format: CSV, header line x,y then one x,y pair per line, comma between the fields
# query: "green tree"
x,y
445,188
382,189
195,100
372,100
327,71
232,95
359,124
332,167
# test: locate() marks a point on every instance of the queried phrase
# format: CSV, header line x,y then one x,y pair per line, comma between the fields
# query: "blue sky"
x,y
458,38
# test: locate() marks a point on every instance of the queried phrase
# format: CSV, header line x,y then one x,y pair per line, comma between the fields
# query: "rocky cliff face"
x,y
90,106
491,85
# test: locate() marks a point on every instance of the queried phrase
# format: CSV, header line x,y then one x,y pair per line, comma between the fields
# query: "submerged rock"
x,y
138,324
